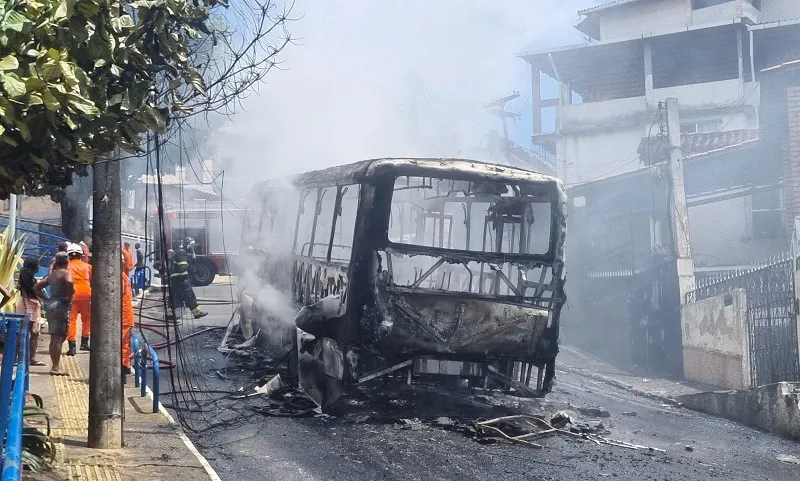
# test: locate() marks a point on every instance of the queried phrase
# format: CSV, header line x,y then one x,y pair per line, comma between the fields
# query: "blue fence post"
x,y
156,377
143,368
12,462
12,326
136,355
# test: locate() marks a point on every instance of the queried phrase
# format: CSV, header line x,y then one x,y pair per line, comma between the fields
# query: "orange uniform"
x,y
81,300
127,320
127,266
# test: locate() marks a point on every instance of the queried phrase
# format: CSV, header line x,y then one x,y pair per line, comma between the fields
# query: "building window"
x,y
767,213
712,125
698,4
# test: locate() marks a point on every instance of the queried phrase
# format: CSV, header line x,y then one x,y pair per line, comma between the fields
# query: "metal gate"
x,y
771,319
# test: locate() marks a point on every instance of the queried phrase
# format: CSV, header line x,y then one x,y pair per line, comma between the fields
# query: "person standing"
x,y
62,247
86,249
180,289
81,300
30,303
138,273
127,264
127,322
58,307
139,256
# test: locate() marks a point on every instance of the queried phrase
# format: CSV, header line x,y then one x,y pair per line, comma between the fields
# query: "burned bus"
x,y
423,269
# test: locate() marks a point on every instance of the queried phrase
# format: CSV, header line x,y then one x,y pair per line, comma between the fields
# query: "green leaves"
x,y
13,86
9,62
195,80
83,105
80,78
15,21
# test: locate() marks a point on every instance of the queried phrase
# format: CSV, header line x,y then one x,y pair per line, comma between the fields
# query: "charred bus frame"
x,y
442,267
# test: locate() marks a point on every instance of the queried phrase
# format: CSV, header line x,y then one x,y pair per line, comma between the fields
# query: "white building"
x,y
707,53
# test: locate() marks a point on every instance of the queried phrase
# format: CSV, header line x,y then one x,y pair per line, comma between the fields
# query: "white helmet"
x,y
74,249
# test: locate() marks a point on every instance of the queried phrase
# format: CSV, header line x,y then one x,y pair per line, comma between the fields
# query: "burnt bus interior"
x,y
429,269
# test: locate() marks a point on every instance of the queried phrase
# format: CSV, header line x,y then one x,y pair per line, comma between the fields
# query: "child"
x,y
29,303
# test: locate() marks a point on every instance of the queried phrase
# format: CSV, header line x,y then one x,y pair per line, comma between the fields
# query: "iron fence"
x,y
771,317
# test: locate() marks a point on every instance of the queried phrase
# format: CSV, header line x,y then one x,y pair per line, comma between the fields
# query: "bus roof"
x,y
373,169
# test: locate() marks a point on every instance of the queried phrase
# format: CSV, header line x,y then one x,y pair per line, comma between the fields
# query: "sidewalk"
x,y
665,390
155,448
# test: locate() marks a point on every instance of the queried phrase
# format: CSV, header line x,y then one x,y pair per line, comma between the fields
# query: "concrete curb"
x,y
620,385
212,474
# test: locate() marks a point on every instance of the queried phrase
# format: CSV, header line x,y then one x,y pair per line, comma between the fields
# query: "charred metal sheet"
x,y
384,372
426,365
517,385
423,322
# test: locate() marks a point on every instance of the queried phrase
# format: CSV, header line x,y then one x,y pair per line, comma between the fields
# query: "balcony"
x,y
724,98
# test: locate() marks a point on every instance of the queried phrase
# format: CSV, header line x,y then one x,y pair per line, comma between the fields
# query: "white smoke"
x,y
379,78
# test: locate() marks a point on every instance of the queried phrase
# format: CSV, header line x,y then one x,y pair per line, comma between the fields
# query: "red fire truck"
x,y
216,232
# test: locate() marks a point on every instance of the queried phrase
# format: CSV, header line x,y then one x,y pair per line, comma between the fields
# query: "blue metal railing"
x,y
13,388
140,353
135,349
156,376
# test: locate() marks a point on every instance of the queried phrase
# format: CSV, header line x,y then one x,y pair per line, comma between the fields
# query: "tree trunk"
x,y
74,215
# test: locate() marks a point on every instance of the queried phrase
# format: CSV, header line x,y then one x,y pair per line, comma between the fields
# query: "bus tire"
x,y
203,273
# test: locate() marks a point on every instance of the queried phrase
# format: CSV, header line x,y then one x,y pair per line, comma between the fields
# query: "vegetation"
x,y
10,262
38,448
82,80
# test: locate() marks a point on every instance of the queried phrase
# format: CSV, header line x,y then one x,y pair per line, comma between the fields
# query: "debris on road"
x,y
523,429
788,458
594,412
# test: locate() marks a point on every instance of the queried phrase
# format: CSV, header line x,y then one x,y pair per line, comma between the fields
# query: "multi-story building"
x,y
707,53
732,65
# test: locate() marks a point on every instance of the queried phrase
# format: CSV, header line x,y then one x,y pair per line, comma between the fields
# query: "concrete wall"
x,y
601,138
726,12
731,241
774,10
656,17
715,341
645,18
596,154
773,407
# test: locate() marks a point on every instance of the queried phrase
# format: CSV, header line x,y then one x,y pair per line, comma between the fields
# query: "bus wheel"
x,y
203,273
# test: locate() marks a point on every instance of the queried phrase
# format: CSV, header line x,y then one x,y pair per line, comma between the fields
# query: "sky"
x,y
383,78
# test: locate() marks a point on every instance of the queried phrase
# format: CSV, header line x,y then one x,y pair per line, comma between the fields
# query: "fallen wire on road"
x,y
523,429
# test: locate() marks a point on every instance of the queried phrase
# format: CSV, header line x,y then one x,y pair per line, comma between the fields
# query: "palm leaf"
x,y
10,260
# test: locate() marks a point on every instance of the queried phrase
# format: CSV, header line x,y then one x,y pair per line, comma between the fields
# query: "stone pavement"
x,y
154,447
650,385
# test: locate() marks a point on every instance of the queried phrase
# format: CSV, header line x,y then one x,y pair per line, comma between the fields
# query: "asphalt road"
x,y
242,444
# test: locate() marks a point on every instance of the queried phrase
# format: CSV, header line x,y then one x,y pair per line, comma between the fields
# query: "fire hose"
x,y
158,330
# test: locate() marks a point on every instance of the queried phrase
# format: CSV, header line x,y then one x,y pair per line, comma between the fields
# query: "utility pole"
x,y
677,202
498,107
12,217
105,375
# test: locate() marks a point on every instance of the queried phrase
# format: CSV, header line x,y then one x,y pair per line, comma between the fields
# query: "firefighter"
x,y
127,321
127,265
181,292
81,300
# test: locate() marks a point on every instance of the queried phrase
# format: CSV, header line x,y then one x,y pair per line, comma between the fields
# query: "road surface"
x,y
243,444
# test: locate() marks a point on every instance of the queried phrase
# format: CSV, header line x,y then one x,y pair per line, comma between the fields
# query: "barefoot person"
x,y
58,308
30,303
